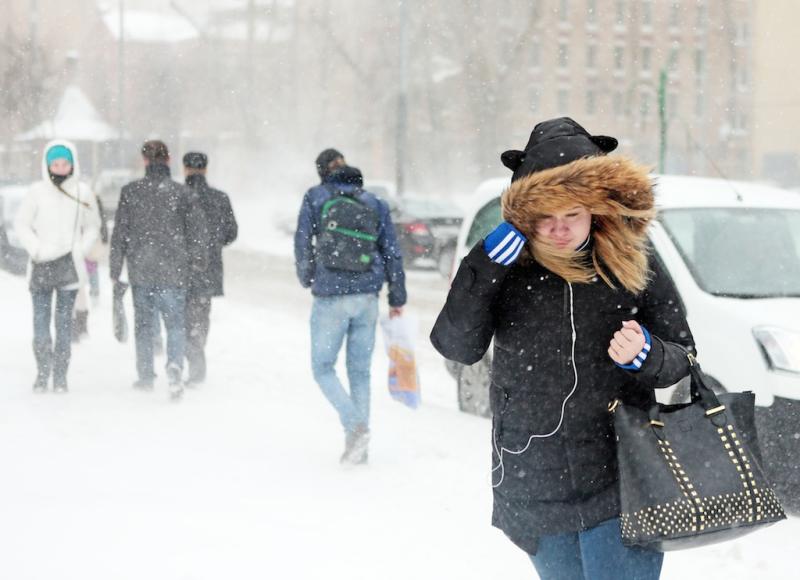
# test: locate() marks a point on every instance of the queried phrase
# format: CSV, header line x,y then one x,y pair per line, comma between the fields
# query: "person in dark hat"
x,y
345,251
208,283
161,232
328,161
580,313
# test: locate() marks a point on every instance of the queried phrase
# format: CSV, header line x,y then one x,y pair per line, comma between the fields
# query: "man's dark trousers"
x,y
198,321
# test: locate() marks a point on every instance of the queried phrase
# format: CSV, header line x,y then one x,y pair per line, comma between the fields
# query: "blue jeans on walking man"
x,y
333,319
148,302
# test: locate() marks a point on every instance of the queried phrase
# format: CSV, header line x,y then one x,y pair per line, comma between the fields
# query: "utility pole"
x,y
121,86
402,102
662,118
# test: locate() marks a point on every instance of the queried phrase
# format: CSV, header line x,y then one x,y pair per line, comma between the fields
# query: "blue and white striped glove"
x,y
504,244
636,364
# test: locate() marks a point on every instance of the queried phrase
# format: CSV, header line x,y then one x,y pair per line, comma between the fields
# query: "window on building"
x,y
619,104
699,62
674,15
591,56
701,16
645,105
591,11
621,12
591,102
563,54
647,54
535,100
563,10
647,13
619,58
699,103
562,100
536,54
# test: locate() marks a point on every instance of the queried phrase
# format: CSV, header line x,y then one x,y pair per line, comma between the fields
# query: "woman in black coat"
x,y
580,313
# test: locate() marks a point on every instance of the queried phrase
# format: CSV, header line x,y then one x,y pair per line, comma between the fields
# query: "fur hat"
x,y
617,192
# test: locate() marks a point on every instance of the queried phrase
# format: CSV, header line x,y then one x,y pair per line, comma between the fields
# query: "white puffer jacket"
x,y
50,224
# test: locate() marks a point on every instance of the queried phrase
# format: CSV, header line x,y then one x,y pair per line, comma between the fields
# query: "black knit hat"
x,y
195,160
324,159
553,143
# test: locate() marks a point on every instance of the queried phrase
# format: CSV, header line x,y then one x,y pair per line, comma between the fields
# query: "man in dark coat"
x,y
161,233
203,285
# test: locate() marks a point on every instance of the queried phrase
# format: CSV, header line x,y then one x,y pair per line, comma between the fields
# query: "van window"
x,y
744,253
485,221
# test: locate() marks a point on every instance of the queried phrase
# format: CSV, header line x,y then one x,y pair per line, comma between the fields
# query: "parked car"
x,y
427,230
13,258
733,251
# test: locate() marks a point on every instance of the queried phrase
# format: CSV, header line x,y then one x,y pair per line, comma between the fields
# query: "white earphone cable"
x,y
500,450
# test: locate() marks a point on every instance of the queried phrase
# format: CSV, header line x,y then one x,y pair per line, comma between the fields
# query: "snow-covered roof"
x,y
150,26
76,119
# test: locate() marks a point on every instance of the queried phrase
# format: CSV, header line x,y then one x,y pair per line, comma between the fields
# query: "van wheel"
x,y
473,388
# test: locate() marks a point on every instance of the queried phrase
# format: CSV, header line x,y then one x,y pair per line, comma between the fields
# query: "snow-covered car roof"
x,y
675,191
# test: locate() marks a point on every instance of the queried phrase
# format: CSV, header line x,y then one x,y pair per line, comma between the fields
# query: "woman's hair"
x,y
616,191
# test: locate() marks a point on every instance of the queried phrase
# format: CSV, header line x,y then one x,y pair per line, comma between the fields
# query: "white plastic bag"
x,y
398,336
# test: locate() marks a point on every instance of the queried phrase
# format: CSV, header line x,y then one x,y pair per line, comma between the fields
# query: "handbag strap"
x,y
72,197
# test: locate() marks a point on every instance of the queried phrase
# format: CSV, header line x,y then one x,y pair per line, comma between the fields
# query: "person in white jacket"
x,y
57,223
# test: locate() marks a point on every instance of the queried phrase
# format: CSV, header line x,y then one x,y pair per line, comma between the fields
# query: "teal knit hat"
x,y
58,152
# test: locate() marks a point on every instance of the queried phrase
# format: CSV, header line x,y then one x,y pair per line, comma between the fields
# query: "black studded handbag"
x,y
690,474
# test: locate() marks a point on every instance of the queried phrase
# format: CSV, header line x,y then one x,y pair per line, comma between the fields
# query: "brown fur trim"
x,y
619,194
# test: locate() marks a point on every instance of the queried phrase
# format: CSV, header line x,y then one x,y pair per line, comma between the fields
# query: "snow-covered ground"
x,y
241,479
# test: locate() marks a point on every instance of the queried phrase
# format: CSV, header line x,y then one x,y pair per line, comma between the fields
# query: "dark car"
x,y
13,258
427,229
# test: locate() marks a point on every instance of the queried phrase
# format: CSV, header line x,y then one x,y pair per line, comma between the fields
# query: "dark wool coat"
x,y
222,229
566,482
160,230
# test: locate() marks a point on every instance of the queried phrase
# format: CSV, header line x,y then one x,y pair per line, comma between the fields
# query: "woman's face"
x,y
60,166
565,230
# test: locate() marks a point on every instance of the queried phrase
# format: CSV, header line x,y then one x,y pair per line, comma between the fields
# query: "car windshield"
x,y
743,253
485,221
429,208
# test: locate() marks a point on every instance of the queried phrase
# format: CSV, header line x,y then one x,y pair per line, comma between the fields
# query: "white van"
x,y
733,251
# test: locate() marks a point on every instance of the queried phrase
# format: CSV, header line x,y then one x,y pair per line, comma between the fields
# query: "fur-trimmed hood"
x,y
619,194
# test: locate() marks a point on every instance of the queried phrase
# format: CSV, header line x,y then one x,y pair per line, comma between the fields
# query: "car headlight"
x,y
781,347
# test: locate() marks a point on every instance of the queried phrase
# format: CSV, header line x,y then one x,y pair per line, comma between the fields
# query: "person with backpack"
x,y
56,223
345,249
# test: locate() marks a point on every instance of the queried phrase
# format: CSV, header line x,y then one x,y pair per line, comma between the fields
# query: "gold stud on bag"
x,y
690,474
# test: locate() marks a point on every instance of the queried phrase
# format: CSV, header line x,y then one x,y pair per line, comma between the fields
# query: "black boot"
x,y
44,365
80,325
60,384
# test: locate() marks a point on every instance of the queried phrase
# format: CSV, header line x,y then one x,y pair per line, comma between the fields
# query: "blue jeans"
x,y
334,318
595,554
48,358
147,303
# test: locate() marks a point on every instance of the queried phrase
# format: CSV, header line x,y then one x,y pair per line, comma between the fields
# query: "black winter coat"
x,y
160,230
567,482
222,230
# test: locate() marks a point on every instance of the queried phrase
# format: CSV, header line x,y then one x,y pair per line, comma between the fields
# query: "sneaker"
x,y
143,385
174,381
355,452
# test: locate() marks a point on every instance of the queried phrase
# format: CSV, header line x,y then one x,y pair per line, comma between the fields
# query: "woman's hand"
x,y
627,343
504,244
